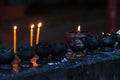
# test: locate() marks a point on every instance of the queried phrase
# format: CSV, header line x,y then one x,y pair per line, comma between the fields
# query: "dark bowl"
x,y
92,42
43,49
59,49
107,40
6,56
25,52
76,45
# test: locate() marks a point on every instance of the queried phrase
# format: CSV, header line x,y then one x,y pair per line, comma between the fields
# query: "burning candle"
x,y
38,33
31,35
14,38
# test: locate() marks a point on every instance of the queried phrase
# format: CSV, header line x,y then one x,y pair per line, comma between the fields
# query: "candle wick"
x,y
78,32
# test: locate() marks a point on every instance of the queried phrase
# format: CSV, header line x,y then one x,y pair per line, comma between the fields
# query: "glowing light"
x,y
108,34
78,28
31,35
103,33
14,39
38,33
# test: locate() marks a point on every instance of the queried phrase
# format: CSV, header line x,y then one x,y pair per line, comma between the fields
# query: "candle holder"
x,y
6,57
25,53
107,42
43,50
58,51
92,45
76,41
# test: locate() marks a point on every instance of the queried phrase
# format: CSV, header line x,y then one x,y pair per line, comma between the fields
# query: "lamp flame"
x,y
78,28
108,34
15,27
32,25
103,33
39,24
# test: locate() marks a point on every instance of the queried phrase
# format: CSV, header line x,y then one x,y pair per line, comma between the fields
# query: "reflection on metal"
x,y
33,61
15,64
16,68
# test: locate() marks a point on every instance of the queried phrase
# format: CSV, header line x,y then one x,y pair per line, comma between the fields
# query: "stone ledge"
x,y
94,67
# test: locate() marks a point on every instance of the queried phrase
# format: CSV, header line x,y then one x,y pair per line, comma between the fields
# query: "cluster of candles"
x,y
31,35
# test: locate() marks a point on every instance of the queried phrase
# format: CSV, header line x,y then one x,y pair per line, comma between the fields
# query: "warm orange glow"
x,y
15,27
33,61
14,39
35,64
16,68
32,26
38,33
31,35
78,28
39,24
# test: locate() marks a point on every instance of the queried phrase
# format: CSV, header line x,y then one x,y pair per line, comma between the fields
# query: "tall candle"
x,y
14,38
38,33
31,35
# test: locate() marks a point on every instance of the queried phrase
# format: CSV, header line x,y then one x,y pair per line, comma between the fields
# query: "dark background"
x,y
57,16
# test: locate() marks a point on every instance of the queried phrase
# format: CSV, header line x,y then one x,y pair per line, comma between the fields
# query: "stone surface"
x,y
104,66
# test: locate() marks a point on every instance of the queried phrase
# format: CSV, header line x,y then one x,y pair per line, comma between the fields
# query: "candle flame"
x,y
78,28
39,24
32,25
103,33
108,34
15,27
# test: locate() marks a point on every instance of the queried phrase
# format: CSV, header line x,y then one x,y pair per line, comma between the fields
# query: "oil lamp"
x,y
58,51
25,53
43,50
107,42
6,57
92,45
75,40
79,34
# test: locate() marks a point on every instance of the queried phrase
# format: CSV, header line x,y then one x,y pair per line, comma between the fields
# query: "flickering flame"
x,y
32,25
15,27
108,34
78,28
103,33
39,24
